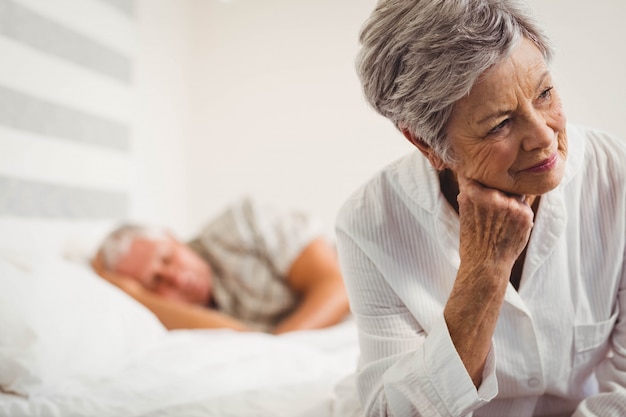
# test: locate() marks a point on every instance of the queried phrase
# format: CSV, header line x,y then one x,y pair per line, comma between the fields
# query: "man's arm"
x,y
178,315
316,276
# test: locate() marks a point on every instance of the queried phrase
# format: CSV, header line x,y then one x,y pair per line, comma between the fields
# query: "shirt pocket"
x,y
591,342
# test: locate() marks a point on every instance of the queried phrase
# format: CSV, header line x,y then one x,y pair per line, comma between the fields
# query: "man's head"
x,y
159,262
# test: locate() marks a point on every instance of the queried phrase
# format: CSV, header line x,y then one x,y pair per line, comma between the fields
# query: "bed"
x,y
72,344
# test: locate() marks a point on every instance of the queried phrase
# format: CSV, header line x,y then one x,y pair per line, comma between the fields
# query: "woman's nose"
x,y
538,133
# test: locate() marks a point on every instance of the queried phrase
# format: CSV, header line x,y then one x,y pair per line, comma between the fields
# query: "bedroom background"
x,y
165,111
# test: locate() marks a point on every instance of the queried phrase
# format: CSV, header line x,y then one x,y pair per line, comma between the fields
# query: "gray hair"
x,y
117,243
419,57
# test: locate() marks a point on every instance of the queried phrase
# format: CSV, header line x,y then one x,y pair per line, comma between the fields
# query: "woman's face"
x,y
509,132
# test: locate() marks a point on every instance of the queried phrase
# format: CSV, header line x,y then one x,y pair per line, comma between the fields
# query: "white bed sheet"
x,y
209,373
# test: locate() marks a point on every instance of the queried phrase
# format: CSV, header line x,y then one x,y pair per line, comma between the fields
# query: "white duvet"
x,y
72,345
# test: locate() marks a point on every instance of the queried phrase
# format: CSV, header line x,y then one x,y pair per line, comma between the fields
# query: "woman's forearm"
x,y
471,314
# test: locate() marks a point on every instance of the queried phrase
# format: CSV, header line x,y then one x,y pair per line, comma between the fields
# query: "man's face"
x,y
168,268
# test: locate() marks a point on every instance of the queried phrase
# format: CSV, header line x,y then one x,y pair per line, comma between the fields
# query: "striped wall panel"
x,y
124,6
65,108
38,199
34,30
30,113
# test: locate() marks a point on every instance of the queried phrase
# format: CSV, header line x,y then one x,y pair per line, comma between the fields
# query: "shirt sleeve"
x,y
280,234
404,370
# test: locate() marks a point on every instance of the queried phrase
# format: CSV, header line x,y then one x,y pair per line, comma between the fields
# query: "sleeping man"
x,y
251,268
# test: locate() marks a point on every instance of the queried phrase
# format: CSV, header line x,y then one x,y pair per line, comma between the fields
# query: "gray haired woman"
x,y
487,271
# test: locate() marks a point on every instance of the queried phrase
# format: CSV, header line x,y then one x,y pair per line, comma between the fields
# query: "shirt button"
x,y
534,382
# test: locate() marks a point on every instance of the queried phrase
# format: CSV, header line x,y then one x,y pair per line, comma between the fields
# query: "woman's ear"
x,y
424,148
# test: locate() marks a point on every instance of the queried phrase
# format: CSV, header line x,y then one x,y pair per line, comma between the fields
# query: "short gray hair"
x,y
118,242
419,57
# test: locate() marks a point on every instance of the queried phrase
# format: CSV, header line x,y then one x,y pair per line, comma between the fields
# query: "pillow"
x,y
59,320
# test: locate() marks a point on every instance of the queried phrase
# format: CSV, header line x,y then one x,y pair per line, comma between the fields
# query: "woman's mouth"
x,y
543,166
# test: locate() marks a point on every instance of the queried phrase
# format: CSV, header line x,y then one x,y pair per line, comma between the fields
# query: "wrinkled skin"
x,y
509,143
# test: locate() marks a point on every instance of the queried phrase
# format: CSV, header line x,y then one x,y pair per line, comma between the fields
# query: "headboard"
x,y
66,99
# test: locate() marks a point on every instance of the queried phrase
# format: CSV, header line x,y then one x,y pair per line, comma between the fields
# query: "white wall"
x,y
279,108
260,97
590,64
163,123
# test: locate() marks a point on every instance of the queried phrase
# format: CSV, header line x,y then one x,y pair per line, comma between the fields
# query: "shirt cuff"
x,y
448,375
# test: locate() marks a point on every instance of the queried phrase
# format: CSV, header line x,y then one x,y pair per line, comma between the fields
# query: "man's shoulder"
x,y
239,211
251,220
253,209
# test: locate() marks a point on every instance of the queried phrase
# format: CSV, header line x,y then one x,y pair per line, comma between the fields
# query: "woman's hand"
x,y
494,226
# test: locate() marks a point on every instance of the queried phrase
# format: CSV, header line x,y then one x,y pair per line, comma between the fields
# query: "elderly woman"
x,y
486,272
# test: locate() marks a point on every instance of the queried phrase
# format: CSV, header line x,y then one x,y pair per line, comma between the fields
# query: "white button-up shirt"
x,y
559,340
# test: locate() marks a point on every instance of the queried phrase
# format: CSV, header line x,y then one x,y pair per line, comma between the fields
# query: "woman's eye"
x,y
546,93
500,126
